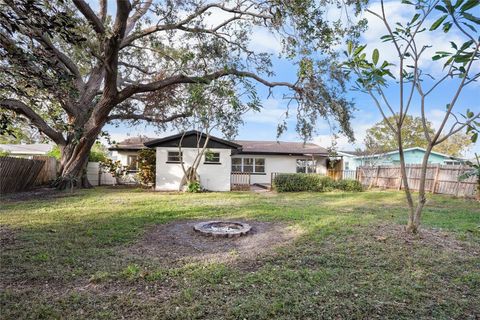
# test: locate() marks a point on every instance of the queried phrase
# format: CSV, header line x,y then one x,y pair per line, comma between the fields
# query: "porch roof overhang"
x,y
281,153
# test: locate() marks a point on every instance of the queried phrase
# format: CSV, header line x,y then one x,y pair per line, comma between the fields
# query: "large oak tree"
x,y
70,67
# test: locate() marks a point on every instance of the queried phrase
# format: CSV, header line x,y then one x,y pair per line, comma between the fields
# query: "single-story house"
x,y
353,159
258,159
26,150
126,152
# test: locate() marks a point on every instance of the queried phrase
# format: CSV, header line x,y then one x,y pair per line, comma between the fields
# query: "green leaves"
x,y
471,17
375,56
469,5
437,23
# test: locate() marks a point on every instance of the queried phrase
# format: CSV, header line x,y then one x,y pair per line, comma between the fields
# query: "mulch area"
x,y
176,243
41,193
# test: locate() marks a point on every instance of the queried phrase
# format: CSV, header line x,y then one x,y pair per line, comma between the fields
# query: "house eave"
x,y
282,153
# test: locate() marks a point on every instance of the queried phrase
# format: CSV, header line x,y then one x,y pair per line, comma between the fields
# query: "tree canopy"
x,y
71,67
380,138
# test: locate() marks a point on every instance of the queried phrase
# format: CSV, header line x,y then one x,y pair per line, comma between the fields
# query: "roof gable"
x,y
192,139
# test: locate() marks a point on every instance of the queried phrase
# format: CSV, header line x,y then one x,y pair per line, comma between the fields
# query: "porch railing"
x,y
240,181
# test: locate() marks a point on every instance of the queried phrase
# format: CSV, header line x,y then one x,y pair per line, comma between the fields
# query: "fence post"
x,y
435,179
99,174
376,177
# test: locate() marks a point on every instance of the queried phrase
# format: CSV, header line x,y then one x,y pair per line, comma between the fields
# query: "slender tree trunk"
x,y
414,220
406,188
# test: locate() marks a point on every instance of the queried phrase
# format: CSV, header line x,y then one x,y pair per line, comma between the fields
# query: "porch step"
x,y
265,186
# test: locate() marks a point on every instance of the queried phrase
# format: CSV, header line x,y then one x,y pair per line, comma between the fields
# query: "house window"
x,y
347,165
250,165
247,165
236,164
306,166
132,162
212,157
174,156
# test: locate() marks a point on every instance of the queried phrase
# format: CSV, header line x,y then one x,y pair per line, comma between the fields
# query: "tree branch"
x,y
36,120
182,23
148,118
103,4
183,79
88,13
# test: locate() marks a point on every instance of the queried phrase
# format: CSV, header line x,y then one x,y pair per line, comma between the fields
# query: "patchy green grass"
x,y
65,258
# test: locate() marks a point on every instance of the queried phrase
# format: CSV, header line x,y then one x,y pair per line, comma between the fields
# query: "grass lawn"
x,y
68,257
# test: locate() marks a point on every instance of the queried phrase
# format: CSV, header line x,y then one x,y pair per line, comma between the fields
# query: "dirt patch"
x,y
429,237
7,237
36,194
177,242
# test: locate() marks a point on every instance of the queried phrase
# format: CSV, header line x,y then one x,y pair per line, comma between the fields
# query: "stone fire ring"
x,y
222,229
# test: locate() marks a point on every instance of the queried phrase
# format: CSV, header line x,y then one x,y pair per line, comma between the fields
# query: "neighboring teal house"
x,y
353,159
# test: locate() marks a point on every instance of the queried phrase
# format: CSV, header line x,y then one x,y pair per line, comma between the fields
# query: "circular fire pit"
x,y
222,229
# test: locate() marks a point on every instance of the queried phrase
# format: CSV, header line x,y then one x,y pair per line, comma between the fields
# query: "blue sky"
x,y
262,125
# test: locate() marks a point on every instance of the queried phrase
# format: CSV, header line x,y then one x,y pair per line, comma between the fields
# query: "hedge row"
x,y
293,182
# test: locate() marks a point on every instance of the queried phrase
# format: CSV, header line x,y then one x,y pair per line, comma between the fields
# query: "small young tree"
x,y
460,68
216,107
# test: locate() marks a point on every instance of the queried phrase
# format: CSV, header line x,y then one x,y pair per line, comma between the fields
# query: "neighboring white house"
x,y
259,159
126,152
26,150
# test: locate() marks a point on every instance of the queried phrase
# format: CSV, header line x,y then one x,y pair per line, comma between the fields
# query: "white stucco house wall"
x,y
258,159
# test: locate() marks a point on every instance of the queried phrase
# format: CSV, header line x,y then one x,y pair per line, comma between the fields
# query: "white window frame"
x,y
242,162
180,156
130,162
306,166
210,161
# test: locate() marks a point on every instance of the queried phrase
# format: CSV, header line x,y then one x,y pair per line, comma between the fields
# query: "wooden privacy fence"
x,y
48,173
17,174
441,179
240,181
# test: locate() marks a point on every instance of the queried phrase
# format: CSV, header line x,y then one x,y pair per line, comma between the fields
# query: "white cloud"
x,y
261,40
395,11
272,112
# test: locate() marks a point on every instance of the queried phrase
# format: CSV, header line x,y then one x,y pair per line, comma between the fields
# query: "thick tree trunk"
x,y
73,164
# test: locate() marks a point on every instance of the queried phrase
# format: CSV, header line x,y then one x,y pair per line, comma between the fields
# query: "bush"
x,y
294,182
349,185
98,153
194,187
147,166
291,182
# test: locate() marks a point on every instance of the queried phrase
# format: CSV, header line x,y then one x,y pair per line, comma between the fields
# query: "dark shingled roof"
x,y
133,143
247,147
280,147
